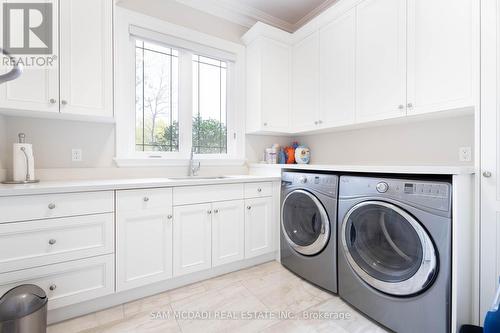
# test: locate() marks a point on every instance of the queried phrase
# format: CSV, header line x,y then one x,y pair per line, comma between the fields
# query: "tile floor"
x,y
276,299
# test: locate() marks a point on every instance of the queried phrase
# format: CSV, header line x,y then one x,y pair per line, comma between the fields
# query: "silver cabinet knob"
x,y
401,107
52,287
52,241
64,102
315,123
265,124
409,105
216,211
209,212
320,122
145,199
259,190
249,207
52,205
169,216
487,174
52,101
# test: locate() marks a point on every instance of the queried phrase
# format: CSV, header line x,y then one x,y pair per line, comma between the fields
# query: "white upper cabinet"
x,y
442,54
338,71
305,91
364,61
268,81
37,89
86,57
380,60
80,81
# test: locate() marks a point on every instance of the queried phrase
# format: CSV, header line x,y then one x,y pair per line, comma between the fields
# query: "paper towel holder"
x,y
28,179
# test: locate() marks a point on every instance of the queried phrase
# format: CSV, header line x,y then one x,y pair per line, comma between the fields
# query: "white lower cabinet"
x,y
259,227
144,237
228,232
69,282
192,238
43,242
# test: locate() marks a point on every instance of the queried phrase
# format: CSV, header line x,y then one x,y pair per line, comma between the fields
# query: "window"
x,y
156,102
209,105
178,91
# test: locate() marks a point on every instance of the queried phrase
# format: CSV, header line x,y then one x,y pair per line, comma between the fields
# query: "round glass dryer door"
x,y
388,249
305,223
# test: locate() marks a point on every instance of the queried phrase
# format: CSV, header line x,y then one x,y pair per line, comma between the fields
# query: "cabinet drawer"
x,y
257,190
33,207
144,199
67,283
43,242
199,194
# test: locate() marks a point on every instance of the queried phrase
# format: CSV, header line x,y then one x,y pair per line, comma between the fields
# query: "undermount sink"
x,y
199,177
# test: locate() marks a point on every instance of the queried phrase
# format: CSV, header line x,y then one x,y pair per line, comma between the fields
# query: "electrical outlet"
x,y
465,154
76,155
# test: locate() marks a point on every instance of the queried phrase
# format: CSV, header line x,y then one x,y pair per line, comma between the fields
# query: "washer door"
x,y
388,249
305,222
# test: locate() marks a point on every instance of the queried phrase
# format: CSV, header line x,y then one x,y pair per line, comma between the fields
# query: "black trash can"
x,y
23,309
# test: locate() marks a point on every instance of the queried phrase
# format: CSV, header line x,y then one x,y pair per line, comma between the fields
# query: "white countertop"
x,y
416,170
47,187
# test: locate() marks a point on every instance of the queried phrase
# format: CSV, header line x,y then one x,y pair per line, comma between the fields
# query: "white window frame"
x,y
130,25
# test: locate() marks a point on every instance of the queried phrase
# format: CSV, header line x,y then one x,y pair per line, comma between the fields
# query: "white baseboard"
x,y
76,310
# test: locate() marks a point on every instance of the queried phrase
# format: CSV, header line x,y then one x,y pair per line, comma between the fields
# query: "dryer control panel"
x,y
321,182
430,194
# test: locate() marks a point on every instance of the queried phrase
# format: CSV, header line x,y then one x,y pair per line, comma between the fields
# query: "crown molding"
x,y
313,13
247,16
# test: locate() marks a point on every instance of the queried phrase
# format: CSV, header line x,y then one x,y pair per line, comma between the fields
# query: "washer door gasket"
x,y
305,223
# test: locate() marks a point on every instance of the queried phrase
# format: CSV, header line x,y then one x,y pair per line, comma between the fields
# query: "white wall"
x,y
256,144
188,17
430,142
53,140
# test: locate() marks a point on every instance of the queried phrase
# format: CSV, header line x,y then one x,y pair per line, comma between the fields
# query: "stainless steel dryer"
x,y
395,251
309,227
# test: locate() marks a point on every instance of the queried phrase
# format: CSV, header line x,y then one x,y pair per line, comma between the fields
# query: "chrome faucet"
x,y
193,168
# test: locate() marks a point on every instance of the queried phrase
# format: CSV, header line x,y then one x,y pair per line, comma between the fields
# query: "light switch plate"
x,y
76,155
465,154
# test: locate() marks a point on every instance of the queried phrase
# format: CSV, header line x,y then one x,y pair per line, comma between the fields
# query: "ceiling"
x,y
288,15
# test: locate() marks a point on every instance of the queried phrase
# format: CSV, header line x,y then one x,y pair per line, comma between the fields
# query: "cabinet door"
x,y
86,57
381,60
192,238
228,232
37,89
276,84
259,227
144,248
338,71
442,54
490,155
305,85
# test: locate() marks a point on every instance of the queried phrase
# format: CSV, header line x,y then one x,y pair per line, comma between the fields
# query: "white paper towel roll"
x,y
19,160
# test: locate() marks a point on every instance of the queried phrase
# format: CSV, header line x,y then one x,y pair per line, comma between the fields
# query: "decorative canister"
x,y
302,155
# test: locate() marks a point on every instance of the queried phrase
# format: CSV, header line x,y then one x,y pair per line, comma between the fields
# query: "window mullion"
x,y
185,103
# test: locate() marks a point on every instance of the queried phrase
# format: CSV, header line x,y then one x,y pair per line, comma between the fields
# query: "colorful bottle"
x,y
492,320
